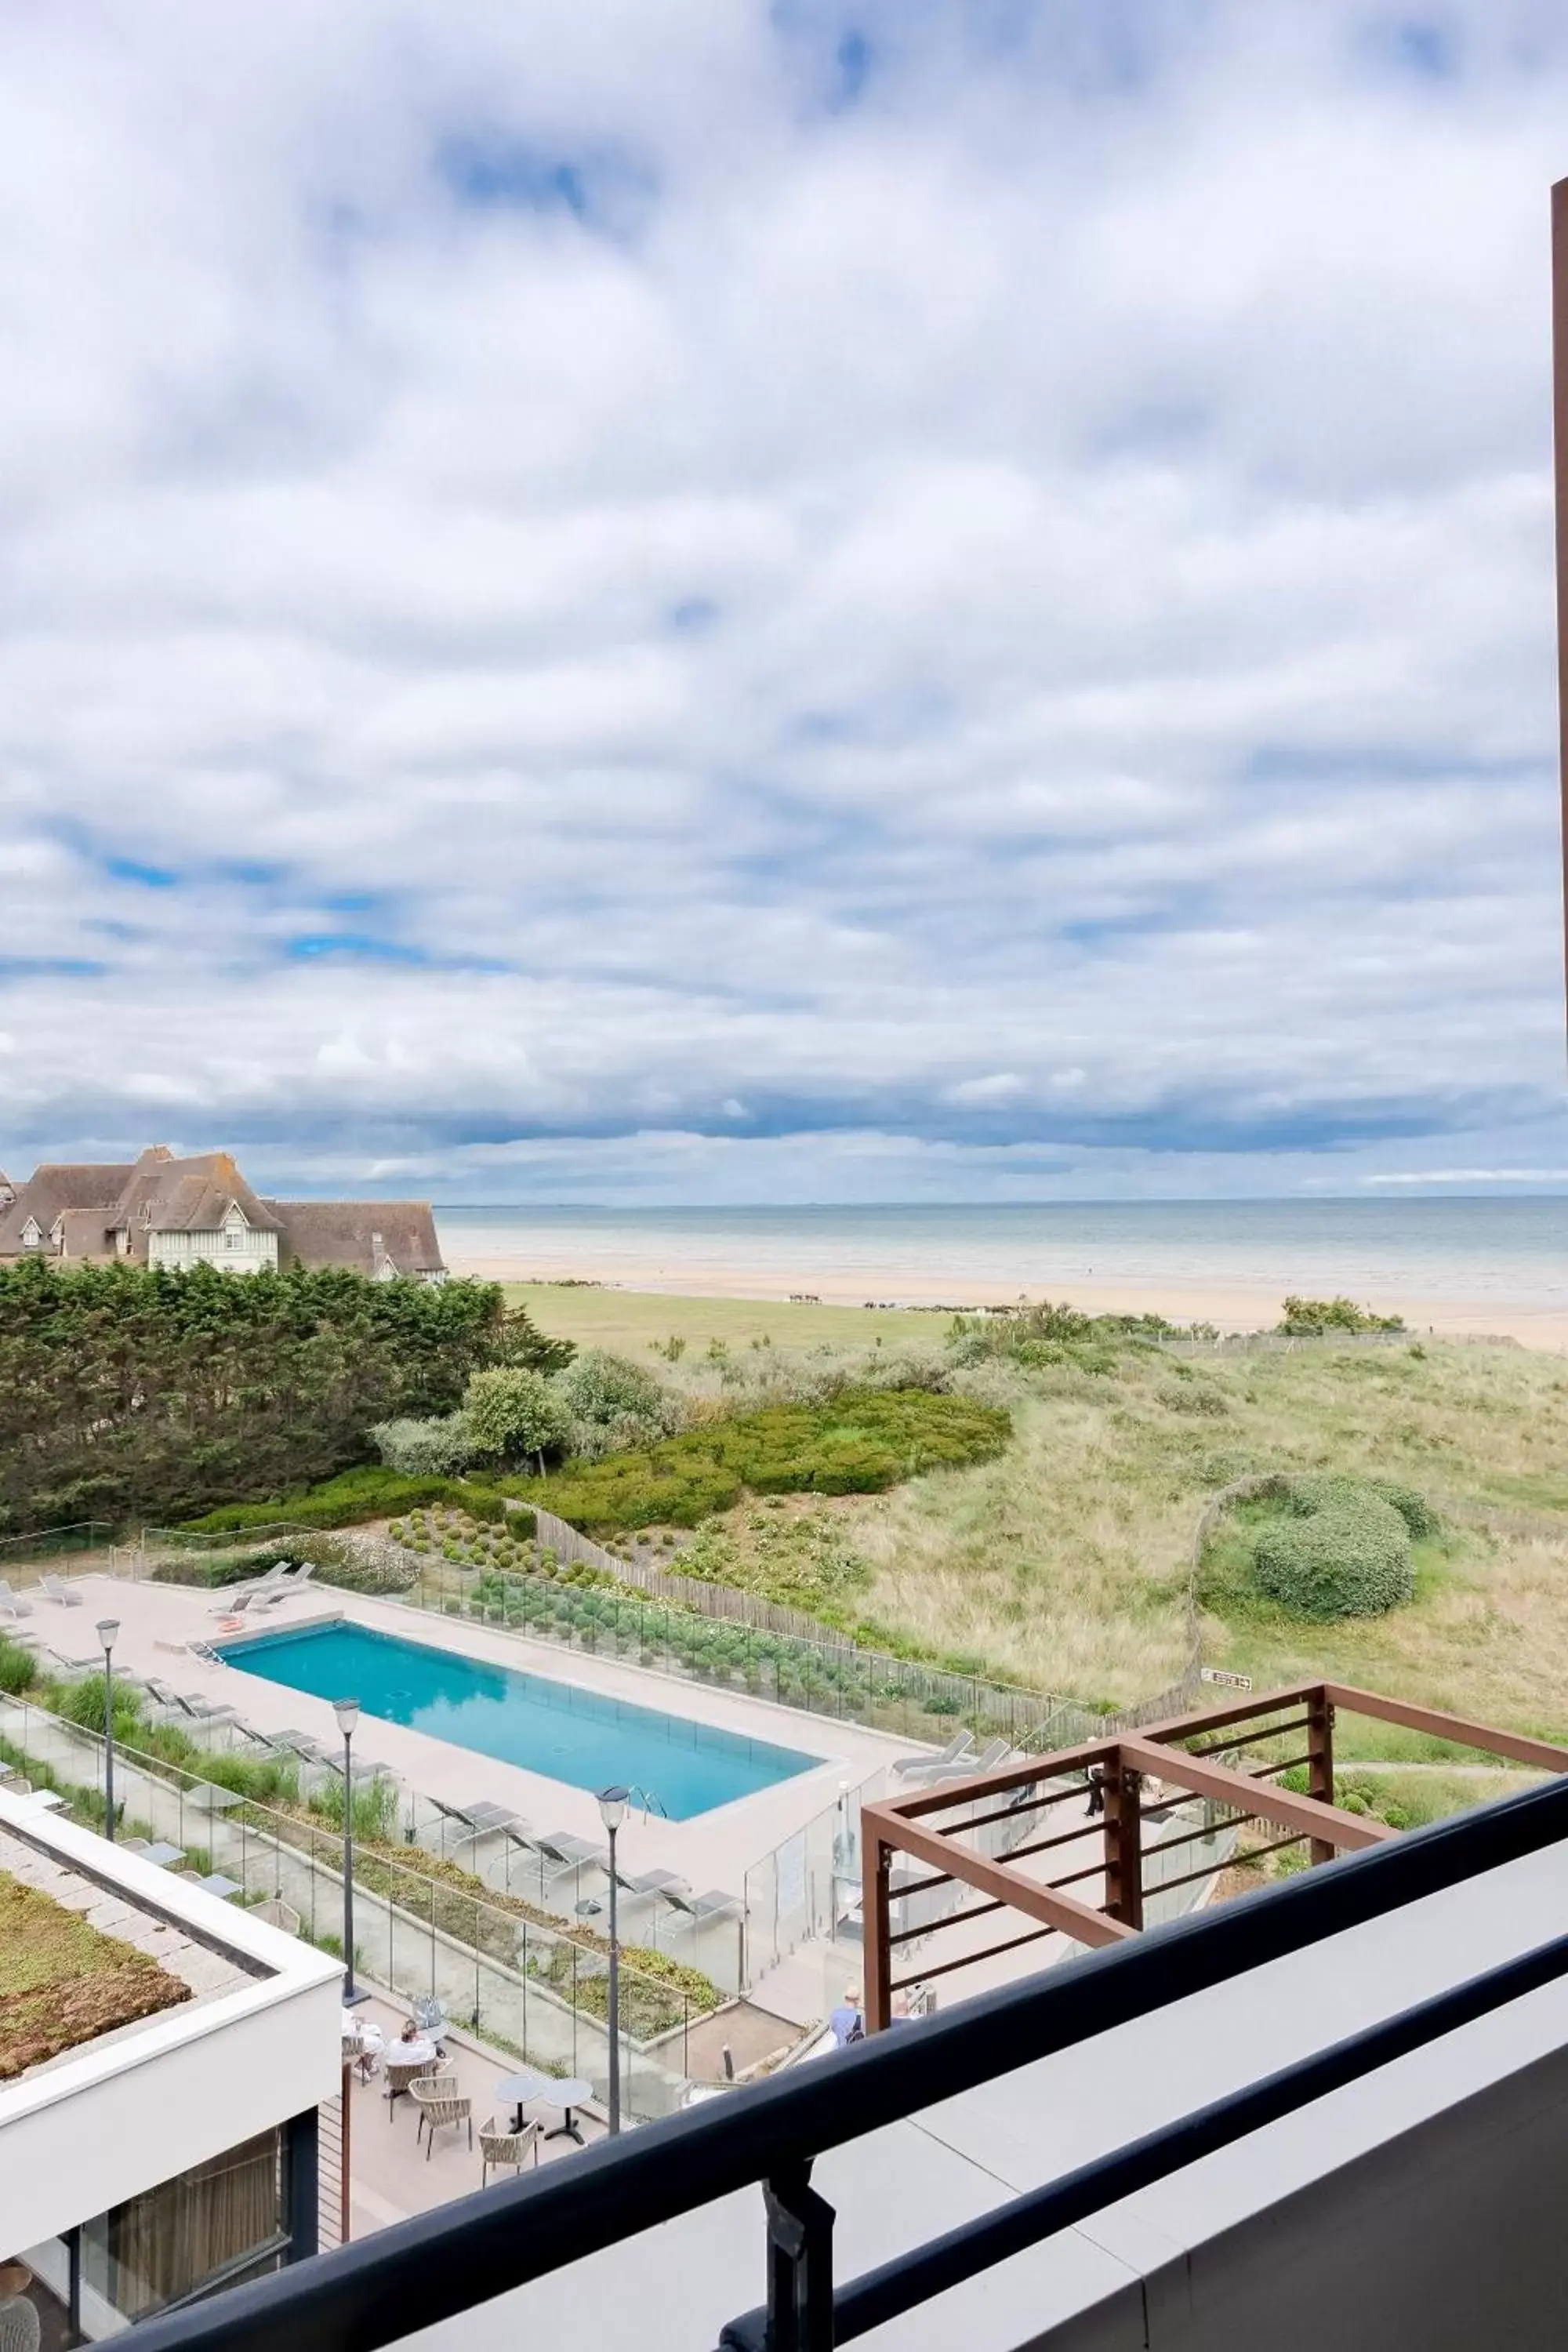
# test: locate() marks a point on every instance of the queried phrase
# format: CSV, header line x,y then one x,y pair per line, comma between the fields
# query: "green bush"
x,y
437,1448
17,1669
370,1493
1342,1551
859,1442
1313,1317
1413,1508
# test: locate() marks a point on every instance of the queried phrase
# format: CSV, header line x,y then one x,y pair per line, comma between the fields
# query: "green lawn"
x,y
632,1320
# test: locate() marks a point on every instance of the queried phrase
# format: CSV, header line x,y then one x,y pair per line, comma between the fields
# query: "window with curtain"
x,y
165,2243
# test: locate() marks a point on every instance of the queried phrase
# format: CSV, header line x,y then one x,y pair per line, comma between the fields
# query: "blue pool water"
x,y
567,1734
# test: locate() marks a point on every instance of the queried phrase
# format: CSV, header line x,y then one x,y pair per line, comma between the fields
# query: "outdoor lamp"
x,y
612,1808
108,1627
347,1712
613,1812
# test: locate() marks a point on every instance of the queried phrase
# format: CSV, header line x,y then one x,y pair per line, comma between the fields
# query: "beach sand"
x,y
1232,1305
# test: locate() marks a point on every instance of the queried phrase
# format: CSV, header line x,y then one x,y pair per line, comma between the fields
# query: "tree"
x,y
512,1411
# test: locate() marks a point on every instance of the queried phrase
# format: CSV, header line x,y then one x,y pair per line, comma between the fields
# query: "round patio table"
x,y
515,2089
567,2096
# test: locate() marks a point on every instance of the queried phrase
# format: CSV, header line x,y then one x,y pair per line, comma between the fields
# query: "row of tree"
x,y
129,1393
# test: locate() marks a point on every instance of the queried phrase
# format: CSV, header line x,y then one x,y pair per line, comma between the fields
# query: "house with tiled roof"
x,y
160,1211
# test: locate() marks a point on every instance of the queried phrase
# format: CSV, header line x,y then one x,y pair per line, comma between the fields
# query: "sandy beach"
x,y
1231,1304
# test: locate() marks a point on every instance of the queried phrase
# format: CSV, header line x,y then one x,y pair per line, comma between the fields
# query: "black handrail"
x,y
420,2272
897,2287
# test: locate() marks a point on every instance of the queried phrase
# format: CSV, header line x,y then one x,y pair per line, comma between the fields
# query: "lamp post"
x,y
108,1627
347,1712
611,1813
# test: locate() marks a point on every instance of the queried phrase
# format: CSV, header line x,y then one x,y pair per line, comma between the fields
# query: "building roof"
x,y
55,1187
165,1195
85,1234
158,1194
370,1236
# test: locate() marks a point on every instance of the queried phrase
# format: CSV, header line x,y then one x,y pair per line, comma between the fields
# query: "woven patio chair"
x,y
401,2077
440,2107
499,2146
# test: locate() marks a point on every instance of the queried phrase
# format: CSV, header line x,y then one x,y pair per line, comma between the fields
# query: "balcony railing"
x,y
443,2263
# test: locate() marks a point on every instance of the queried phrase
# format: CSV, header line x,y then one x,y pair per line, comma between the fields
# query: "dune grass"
x,y
1065,1563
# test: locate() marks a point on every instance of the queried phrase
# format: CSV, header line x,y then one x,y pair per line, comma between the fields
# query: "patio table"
x,y
567,2096
163,1854
515,2089
215,1883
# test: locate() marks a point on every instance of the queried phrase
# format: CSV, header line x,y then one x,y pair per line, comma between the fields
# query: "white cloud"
x,y
1014,617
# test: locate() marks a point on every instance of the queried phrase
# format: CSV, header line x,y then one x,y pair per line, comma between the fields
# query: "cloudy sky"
x,y
697,600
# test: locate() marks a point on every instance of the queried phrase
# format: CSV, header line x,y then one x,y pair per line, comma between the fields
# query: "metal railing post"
x,y
1123,1792
800,2263
1321,1763
877,1989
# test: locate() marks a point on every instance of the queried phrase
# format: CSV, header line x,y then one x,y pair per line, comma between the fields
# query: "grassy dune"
x,y
1065,1563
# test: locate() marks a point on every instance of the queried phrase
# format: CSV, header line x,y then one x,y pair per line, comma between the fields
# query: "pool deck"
x,y
713,1849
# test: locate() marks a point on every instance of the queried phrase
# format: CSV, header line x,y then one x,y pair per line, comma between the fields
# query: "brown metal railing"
x,y
1198,1758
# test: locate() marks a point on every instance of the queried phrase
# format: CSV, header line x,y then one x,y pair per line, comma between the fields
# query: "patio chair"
x,y
278,1914
441,2108
497,2146
58,1589
11,1603
401,2077
957,1747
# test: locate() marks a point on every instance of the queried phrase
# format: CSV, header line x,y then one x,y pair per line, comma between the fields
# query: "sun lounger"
x,y
714,1905
58,1590
301,1743
571,1852
967,1766
199,1709
668,1883
11,1603
959,1746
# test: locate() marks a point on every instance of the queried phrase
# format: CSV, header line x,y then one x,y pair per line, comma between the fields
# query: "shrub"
x,y
1349,1556
424,1449
1310,1318
513,1412
603,1392
371,1493
859,1442
1413,1508
17,1670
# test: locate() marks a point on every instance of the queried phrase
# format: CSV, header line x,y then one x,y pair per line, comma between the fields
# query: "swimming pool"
x,y
576,1736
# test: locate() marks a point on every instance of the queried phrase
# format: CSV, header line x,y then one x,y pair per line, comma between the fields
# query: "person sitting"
x,y
847,2023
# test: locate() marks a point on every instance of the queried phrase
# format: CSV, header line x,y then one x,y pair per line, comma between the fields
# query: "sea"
x,y
1512,1252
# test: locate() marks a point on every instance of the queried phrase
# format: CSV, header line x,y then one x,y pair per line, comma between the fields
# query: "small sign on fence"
x,y
1229,1682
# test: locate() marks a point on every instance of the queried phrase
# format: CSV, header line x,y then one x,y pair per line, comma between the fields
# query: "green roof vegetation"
x,y
63,1983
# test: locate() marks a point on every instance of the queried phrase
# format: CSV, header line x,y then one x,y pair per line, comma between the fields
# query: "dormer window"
x,y
58,1232
32,1233
146,1214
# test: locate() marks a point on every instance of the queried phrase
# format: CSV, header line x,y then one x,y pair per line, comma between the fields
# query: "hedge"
x,y
862,1440
1344,1551
370,1493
